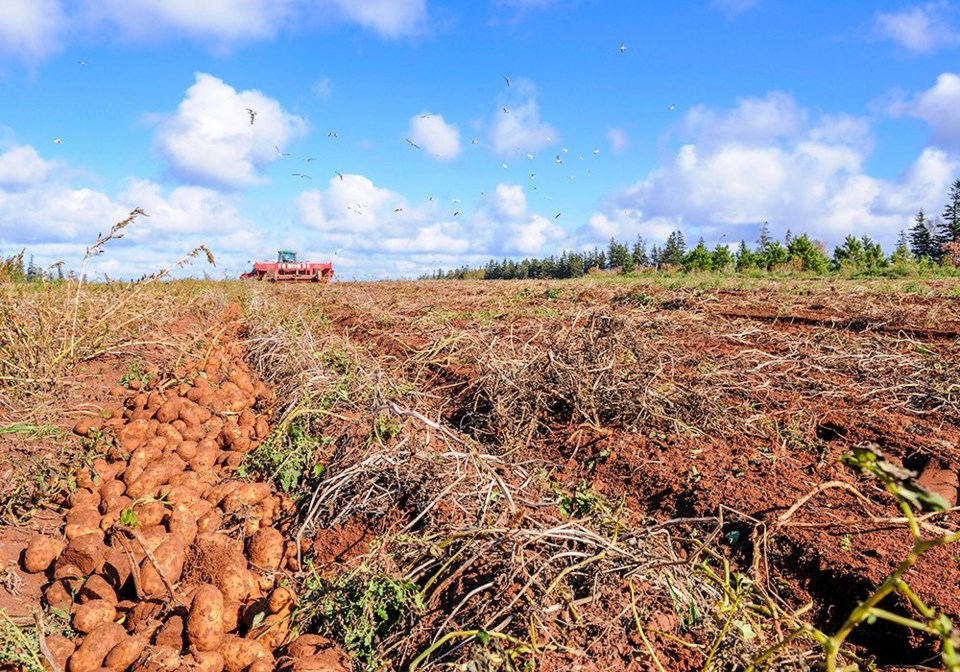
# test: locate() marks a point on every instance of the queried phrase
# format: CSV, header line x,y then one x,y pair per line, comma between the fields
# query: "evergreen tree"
x,y
698,259
951,214
655,256
673,250
765,240
721,258
809,254
775,255
921,240
745,259
619,256
639,253
901,253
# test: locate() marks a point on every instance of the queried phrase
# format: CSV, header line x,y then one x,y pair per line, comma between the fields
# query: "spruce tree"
x,y
921,242
951,215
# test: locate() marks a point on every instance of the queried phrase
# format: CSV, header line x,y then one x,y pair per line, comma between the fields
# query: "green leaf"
x,y
745,629
483,637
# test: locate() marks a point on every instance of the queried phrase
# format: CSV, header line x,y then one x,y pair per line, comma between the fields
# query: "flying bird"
x,y
456,213
507,80
81,62
596,151
474,142
339,250
301,175
398,209
503,165
558,160
529,155
557,215
253,115
454,200
310,158
340,174
279,153
671,108
332,134
58,141
623,47
413,144
505,110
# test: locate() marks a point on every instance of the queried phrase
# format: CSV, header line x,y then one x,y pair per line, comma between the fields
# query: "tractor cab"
x,y
286,257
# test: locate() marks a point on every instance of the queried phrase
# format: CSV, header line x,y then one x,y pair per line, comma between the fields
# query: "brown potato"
x,y
205,621
210,521
187,450
95,646
183,523
96,587
111,488
61,648
219,492
125,653
169,411
41,552
194,433
281,599
161,659
239,653
265,549
59,595
247,494
156,473
86,552
150,513
236,583
90,615
204,661
83,498
169,557
171,633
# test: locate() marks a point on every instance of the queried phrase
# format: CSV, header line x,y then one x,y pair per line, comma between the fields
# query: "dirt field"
x,y
511,475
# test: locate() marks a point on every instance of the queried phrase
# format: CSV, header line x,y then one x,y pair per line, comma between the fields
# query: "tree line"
x,y
928,243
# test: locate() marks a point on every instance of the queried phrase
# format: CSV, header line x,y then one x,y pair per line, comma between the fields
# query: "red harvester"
x,y
288,269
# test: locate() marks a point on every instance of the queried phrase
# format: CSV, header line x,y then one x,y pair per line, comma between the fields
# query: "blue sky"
x,y
717,115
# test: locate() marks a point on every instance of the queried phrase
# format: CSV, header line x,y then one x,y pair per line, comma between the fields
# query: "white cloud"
x,y
210,139
434,135
504,225
938,106
21,167
517,127
753,121
391,18
810,179
920,29
31,29
619,140
323,88
222,21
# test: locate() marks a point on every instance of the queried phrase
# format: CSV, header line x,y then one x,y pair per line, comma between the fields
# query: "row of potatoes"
x,y
166,562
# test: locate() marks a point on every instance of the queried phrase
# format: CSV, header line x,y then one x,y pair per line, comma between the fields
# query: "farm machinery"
x,y
287,269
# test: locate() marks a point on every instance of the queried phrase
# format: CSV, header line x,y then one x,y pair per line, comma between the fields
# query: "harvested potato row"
x,y
149,578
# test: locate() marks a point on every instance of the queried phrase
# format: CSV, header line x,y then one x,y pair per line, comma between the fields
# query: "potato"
x,y
161,659
219,492
236,583
95,646
183,523
83,498
117,568
132,435
210,521
126,653
86,552
194,433
139,460
238,653
187,450
247,494
61,649
111,488
169,411
265,549
261,428
83,427
142,618
231,615
205,620
90,615
281,599
169,557
59,595
204,661
96,587
155,474
171,633
170,432
273,630
41,552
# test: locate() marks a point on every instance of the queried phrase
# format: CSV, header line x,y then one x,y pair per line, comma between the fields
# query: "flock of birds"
x,y
358,209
